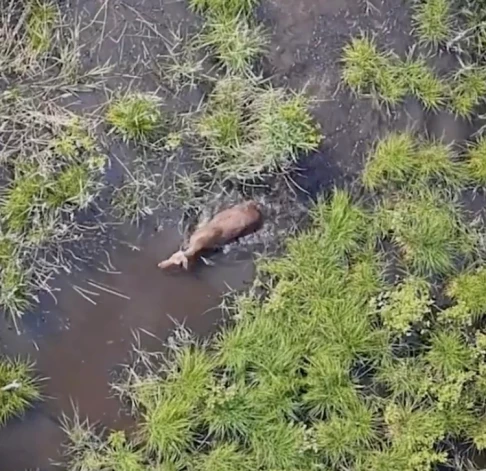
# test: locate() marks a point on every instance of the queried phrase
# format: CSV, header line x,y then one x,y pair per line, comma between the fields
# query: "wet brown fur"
x,y
227,226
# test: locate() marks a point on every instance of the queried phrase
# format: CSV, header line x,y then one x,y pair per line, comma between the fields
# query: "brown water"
x,y
82,341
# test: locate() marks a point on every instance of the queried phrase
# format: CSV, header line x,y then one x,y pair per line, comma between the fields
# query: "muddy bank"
x,y
79,342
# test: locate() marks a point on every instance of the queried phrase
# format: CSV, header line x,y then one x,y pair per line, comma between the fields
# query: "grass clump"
x,y
393,159
227,8
428,230
18,388
361,62
40,23
467,290
235,42
433,21
476,161
406,304
424,84
135,116
402,160
468,89
449,354
250,131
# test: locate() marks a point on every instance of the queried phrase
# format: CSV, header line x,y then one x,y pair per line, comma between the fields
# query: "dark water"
x,y
80,343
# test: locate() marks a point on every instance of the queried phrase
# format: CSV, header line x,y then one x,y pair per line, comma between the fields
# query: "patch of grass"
x,y
449,354
402,160
424,84
250,131
468,89
167,427
406,378
224,457
40,23
284,128
228,8
405,305
23,197
433,21
437,162
467,290
392,160
476,161
362,61
329,388
18,387
15,295
428,230
235,42
136,116
342,437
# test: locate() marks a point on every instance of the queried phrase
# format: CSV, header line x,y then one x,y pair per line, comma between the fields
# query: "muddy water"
x,y
81,341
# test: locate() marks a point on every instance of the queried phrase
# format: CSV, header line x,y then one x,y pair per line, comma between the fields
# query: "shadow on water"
x,y
82,341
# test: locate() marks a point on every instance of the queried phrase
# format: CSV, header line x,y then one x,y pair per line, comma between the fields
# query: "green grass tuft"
x,y
449,354
424,84
342,437
393,160
429,231
467,290
468,89
167,427
249,131
235,42
362,61
433,21
135,116
223,457
40,23
476,162
18,388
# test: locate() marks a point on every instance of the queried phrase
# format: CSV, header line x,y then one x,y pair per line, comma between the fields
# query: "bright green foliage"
x,y
393,159
135,116
343,436
18,388
467,289
468,90
362,62
424,84
309,377
428,231
406,304
121,455
476,162
167,427
433,21
449,354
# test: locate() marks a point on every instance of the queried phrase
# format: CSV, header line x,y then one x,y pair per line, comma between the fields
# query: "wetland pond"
x,y
78,342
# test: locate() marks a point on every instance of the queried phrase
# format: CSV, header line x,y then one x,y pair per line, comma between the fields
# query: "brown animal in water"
x,y
227,226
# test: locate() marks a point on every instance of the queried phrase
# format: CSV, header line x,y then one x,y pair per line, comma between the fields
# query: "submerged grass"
x,y
18,388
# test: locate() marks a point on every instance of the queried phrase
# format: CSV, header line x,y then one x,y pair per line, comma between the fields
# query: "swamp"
x,y
349,333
